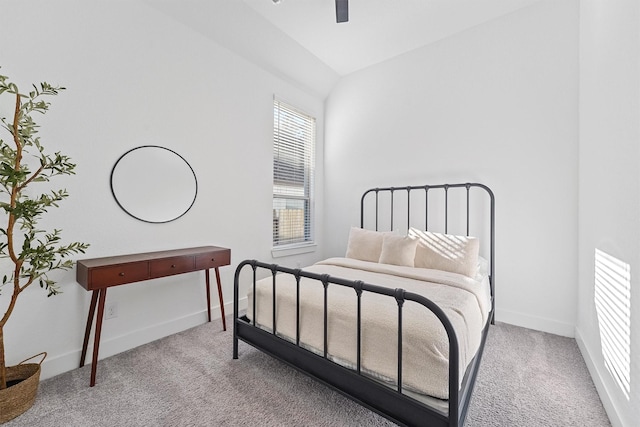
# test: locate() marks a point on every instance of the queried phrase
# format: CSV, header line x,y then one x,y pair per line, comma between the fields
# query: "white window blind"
x,y
294,134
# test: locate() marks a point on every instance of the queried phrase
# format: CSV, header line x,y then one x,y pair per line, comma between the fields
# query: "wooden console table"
x,y
98,274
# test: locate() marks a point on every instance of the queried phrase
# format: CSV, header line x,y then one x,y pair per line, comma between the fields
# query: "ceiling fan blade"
x,y
342,11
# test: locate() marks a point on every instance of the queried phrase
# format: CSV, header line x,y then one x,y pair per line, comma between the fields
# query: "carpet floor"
x,y
527,378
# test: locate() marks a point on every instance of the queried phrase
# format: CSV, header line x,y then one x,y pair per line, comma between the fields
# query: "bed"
x,y
399,323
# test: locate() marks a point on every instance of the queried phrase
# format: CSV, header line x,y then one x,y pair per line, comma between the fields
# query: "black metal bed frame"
x,y
389,402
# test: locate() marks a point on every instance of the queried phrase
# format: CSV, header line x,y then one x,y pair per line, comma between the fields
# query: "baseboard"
x,y
58,364
603,391
538,323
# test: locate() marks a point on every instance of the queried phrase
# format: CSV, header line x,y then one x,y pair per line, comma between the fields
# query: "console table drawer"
x,y
213,259
118,275
170,266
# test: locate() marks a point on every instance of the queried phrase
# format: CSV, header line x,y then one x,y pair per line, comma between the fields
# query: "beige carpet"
x,y
527,378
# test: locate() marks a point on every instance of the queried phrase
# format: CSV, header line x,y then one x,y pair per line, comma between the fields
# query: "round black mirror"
x,y
154,184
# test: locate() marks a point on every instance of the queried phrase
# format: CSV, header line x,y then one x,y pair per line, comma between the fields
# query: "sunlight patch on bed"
x,y
613,306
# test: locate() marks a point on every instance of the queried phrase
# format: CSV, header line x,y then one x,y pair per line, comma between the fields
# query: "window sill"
x,y
293,250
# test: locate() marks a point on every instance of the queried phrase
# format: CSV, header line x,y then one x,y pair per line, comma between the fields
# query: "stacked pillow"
x,y
421,249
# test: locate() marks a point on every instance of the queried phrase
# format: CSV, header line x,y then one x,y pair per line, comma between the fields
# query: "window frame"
x,y
285,145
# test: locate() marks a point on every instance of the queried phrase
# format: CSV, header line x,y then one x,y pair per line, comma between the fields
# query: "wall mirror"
x,y
154,184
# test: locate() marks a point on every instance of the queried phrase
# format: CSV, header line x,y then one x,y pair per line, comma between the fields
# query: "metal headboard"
x,y
428,191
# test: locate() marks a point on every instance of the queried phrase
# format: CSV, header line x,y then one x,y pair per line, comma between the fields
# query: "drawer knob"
x,y
173,266
121,274
213,259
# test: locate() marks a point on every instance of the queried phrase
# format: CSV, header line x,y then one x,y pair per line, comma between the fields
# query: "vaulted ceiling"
x,y
377,29
300,39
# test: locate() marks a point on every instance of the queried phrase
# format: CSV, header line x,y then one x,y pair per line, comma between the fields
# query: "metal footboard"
x,y
276,346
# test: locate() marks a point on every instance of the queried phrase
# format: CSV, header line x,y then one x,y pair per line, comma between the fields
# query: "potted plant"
x,y
30,253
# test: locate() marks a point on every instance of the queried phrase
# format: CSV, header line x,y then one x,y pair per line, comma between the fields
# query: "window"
x,y
294,135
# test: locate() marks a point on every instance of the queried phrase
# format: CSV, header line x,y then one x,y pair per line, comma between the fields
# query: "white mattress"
x,y
465,301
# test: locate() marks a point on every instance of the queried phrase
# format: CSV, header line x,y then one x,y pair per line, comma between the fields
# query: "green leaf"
x,y
40,251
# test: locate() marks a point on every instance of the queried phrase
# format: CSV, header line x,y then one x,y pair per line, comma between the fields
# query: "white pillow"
x,y
456,254
398,250
365,245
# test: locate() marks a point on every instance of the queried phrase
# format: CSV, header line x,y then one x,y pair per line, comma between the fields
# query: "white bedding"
x,y
465,301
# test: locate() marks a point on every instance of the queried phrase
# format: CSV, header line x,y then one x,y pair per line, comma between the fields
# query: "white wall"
x,y
135,76
609,208
494,104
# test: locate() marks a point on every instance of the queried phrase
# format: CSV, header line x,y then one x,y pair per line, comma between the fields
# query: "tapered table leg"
x,y
87,330
96,341
224,322
206,278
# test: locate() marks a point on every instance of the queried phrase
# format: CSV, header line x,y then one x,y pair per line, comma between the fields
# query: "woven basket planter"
x,y
19,397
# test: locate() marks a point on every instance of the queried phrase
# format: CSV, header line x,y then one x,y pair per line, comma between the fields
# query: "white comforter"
x,y
425,344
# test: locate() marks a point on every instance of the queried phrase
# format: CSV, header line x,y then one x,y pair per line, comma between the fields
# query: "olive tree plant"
x,y
30,253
